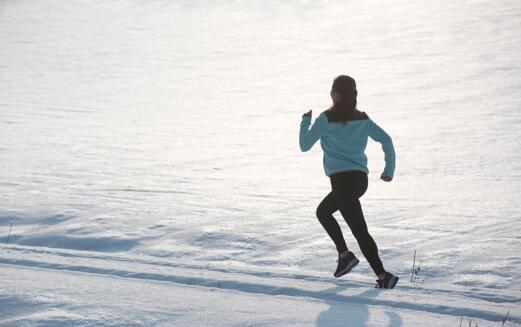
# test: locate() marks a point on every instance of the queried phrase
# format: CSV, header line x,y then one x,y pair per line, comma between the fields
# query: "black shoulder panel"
x,y
362,116
357,115
328,115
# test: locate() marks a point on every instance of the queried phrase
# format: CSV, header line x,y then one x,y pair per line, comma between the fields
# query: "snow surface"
x,y
150,172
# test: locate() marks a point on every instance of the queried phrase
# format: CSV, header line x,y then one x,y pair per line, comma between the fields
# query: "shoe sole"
x,y
348,268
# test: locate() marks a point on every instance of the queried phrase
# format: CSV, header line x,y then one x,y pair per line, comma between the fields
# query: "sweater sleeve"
x,y
379,135
308,137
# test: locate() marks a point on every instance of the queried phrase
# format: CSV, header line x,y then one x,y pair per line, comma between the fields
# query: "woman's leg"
x,y
347,188
325,211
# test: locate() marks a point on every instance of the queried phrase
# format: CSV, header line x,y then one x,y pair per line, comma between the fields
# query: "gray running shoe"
x,y
345,264
389,281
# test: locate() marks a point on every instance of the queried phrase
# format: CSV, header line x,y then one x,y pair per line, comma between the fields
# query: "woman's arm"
x,y
379,135
307,138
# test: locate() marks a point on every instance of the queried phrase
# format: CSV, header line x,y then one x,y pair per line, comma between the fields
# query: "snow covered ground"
x,y
150,172
51,286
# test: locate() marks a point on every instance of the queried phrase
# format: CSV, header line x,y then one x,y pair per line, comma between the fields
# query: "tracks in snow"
x,y
474,303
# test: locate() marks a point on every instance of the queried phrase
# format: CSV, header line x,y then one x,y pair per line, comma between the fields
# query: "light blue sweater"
x,y
344,145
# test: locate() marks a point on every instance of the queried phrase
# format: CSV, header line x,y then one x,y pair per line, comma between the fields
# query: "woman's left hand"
x,y
307,114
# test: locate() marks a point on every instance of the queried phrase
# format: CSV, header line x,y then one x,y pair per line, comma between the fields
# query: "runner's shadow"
x,y
352,314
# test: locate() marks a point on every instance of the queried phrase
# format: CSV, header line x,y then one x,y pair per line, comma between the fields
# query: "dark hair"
x,y
340,111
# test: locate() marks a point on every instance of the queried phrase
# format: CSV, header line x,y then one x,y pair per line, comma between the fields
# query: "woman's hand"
x,y
307,114
386,178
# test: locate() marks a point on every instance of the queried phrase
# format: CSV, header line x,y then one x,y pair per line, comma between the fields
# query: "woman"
x,y
343,132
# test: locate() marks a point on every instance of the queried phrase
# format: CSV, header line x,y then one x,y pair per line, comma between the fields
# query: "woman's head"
x,y
343,92
344,87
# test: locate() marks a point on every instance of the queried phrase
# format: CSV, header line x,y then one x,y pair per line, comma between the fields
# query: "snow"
x,y
80,288
150,172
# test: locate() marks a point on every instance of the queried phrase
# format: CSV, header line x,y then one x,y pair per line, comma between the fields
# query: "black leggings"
x,y
347,187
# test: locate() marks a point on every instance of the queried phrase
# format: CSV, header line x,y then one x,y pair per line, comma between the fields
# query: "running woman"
x,y
343,132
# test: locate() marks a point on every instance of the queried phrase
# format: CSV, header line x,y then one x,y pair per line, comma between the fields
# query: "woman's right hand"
x,y
386,178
